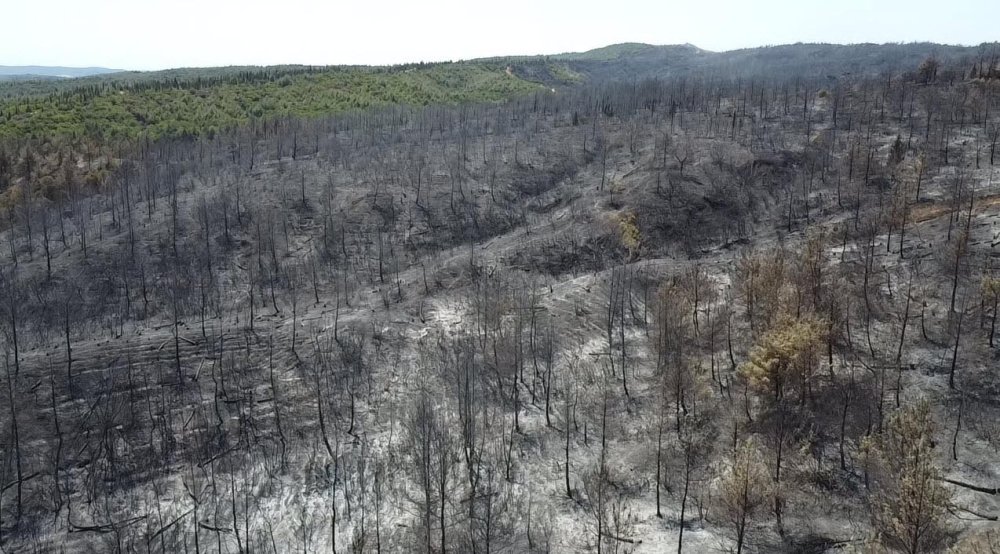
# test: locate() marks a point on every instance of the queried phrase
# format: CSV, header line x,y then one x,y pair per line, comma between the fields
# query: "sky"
x,y
160,34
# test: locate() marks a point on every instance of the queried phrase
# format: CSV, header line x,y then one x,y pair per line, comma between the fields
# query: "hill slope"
x,y
567,322
638,61
182,102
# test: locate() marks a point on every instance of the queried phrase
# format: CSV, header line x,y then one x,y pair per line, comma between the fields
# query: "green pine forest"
x,y
195,104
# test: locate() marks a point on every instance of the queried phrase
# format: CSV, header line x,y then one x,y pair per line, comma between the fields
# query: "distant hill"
x,y
25,72
630,50
629,61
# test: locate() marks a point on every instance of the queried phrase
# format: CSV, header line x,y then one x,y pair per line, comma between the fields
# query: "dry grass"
x,y
933,210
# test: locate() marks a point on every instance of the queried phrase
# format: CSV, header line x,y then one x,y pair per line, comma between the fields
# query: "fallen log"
x,y
104,528
171,524
22,481
970,511
970,486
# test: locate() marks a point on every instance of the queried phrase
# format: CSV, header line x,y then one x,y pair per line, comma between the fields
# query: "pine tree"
x,y
908,502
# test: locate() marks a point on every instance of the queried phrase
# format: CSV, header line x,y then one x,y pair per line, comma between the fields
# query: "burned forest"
x,y
700,312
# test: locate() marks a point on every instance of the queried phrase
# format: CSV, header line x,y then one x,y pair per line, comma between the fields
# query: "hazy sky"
x,y
156,34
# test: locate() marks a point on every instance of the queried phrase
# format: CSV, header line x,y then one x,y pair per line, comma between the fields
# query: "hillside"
x,y
179,103
695,314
